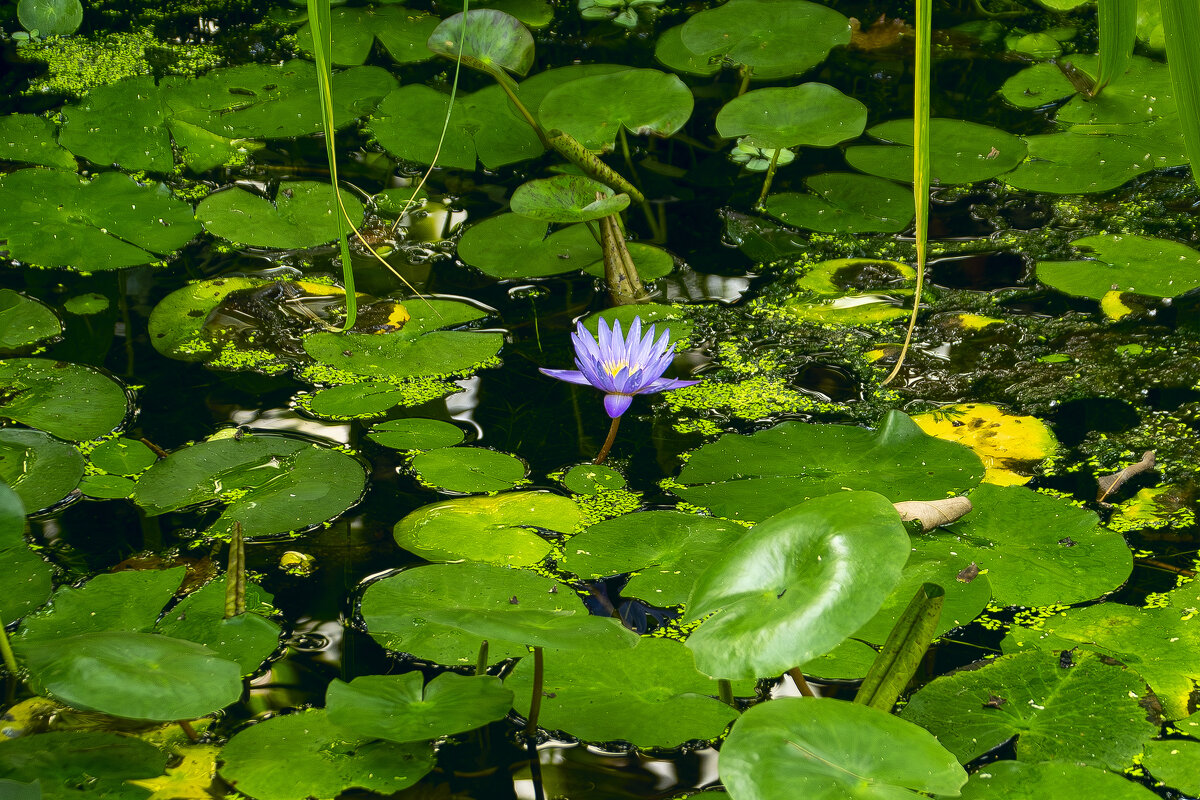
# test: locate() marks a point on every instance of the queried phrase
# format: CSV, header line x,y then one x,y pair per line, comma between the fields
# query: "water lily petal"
x,y
568,375
617,404
665,385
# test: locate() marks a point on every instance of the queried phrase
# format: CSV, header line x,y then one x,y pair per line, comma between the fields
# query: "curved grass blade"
x,y
1181,28
1118,24
897,662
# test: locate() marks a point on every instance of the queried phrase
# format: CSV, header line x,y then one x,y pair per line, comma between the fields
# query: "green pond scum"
x,y
291,506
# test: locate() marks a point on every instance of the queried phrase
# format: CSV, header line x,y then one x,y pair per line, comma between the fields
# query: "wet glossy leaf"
x,y
796,585
776,38
177,321
811,115
834,749
1175,763
1011,446
68,400
302,755
594,109
106,487
1087,713
1139,264
672,319
852,292
1036,86
485,39
416,434
494,530
122,456
588,479
753,477
551,629
367,399
651,263
57,760
401,31
403,708
271,484
394,609
24,576
960,152
39,468
85,304
845,203
1076,163
469,469
534,13
651,695
670,51
302,214
50,17
667,550
566,199
55,219
1019,780
29,139
25,321
512,246
135,675
247,639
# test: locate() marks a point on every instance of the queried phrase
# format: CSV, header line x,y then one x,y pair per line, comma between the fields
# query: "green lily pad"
x,y
1076,163
1020,780
959,152
271,484
469,469
1087,713
15,790
834,749
416,434
591,479
534,13
39,468
775,38
845,203
371,398
68,400
29,139
849,661
811,114
494,530
1143,93
85,304
852,291
485,39
651,262
24,576
1037,550
303,214
667,550
670,51
122,456
1139,264
794,586
303,755
1036,86
25,321
55,219
566,198
672,319
58,759
556,630
753,477
594,109
135,675
651,695
177,322
106,487
401,31
403,708
394,608
247,639
512,246
50,17
1175,763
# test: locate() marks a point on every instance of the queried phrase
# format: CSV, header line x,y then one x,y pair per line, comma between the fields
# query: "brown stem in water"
x,y
608,443
189,730
801,684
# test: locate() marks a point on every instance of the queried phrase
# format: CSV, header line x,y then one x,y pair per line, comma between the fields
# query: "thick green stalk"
x,y
10,664
1118,26
897,662
1181,27
235,575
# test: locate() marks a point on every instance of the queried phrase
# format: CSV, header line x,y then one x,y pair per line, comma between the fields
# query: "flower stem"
x,y
608,443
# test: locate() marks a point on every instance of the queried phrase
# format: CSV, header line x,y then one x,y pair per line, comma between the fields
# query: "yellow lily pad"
x,y
1010,446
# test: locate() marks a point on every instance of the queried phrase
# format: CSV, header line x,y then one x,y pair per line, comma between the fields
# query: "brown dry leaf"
x,y
884,33
1110,483
932,513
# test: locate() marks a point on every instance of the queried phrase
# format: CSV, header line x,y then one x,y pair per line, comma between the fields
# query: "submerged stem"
x,y
725,692
798,677
481,663
608,443
10,663
768,180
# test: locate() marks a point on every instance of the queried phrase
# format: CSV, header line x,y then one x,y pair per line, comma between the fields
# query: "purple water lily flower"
x,y
621,366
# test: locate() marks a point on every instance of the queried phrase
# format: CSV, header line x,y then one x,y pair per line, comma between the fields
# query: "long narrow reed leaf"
x,y
1181,26
1118,24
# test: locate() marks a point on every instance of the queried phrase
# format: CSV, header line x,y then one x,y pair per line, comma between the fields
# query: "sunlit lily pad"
x,y
666,549
29,139
401,31
512,246
1076,163
1021,780
566,198
303,214
796,585
1174,763
494,530
775,38
39,468
1087,713
122,456
56,219
811,114
1036,86
57,759
179,318
106,487
68,400
594,109
753,477
485,39
25,321
834,749
369,399
416,434
403,708
24,576
1011,446
651,696
588,479
672,319
551,629
670,51
303,755
1140,264
650,261
394,608
469,469
845,203
271,484
960,152
247,639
